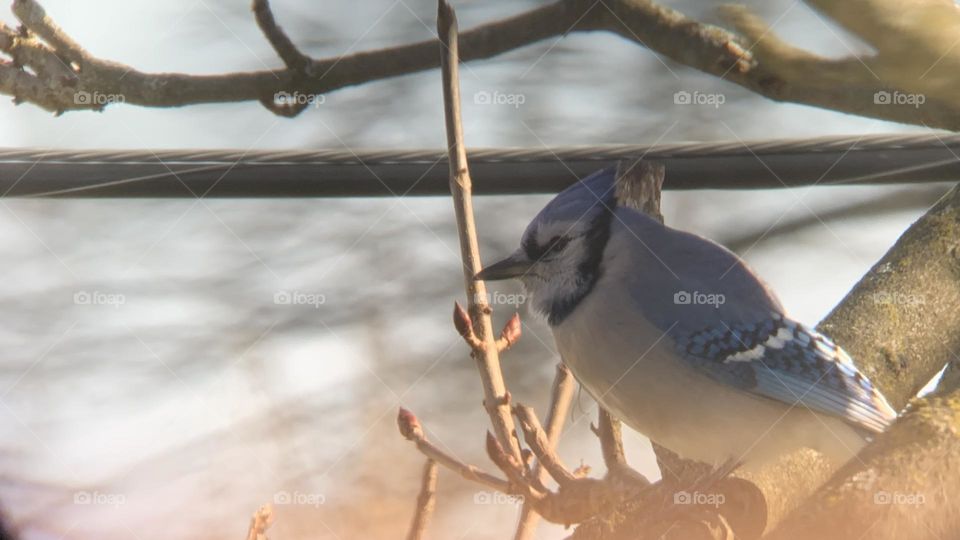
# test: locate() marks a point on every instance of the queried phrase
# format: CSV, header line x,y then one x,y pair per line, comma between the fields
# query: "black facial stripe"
x,y
531,248
553,246
589,270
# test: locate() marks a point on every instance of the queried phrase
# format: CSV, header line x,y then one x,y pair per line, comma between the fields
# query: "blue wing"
x,y
784,360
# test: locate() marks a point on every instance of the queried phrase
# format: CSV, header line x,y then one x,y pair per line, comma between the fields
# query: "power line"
x,y
878,159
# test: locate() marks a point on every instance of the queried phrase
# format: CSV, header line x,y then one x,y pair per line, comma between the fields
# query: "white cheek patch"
x,y
746,356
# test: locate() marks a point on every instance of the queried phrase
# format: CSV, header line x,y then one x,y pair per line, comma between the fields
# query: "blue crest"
x,y
582,200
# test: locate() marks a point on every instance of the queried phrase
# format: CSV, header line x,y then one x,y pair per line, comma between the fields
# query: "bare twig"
x,y
426,501
260,522
619,472
286,50
539,443
411,429
496,398
561,396
510,333
474,324
609,431
298,63
516,470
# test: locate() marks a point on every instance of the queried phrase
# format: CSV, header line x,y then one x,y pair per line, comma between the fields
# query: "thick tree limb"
x,y
323,75
906,485
900,321
753,58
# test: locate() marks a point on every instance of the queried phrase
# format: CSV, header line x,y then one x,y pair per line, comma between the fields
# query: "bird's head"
x,y
560,255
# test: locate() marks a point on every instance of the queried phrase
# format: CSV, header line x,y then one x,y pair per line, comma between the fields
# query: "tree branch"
x,y
539,442
496,398
753,58
260,522
411,430
561,396
610,433
426,501
905,485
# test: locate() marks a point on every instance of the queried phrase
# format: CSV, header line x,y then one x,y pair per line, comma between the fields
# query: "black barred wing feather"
x,y
784,360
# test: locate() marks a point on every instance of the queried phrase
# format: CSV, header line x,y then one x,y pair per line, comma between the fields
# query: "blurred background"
x,y
168,366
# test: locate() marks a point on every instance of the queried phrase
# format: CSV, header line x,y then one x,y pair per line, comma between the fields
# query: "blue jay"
x,y
677,337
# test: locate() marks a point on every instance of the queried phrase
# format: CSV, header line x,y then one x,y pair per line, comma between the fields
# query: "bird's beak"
x,y
513,266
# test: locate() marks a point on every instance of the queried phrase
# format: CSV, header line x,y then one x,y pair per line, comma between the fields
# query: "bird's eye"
x,y
556,244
